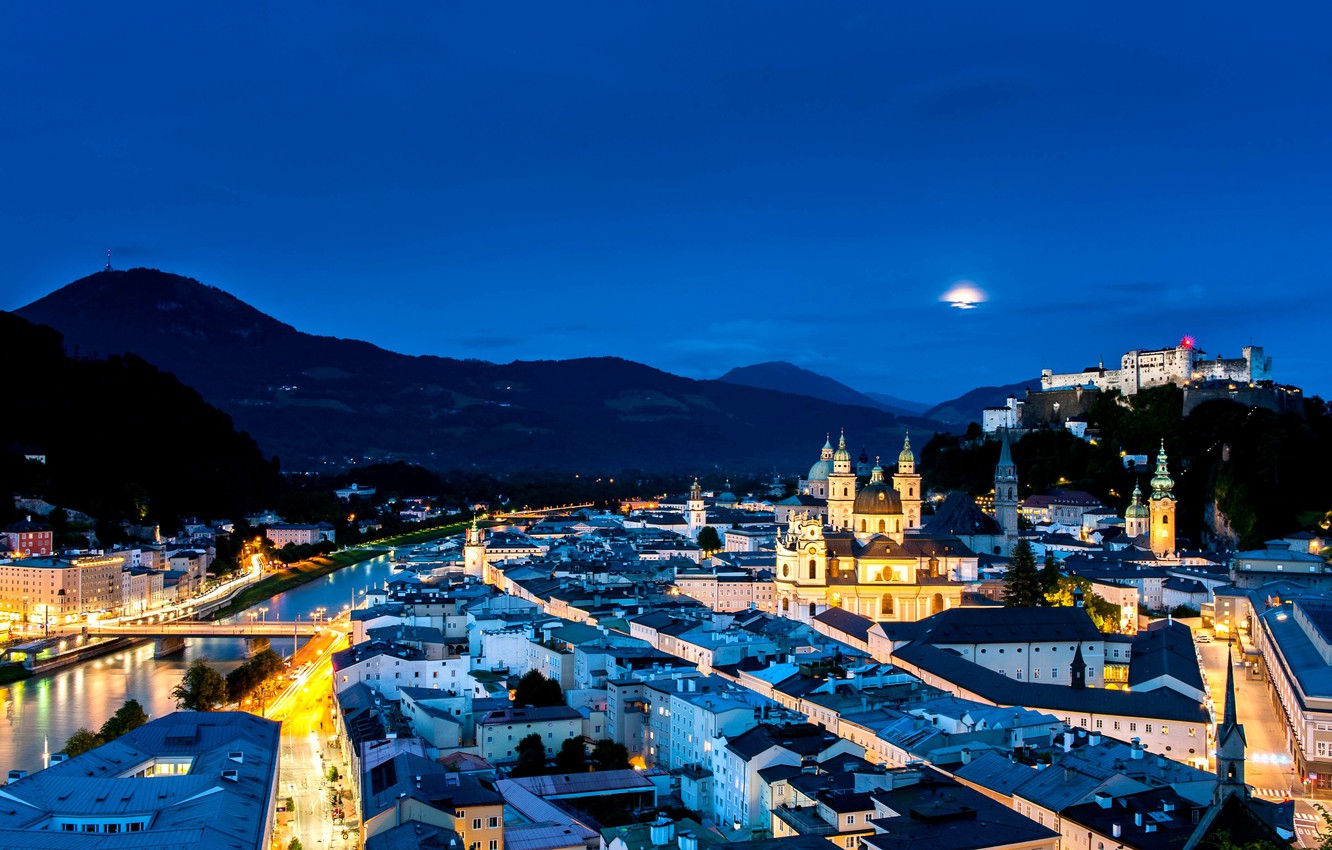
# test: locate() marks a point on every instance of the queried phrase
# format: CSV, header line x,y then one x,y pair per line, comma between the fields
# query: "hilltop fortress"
x,y
1185,365
1065,397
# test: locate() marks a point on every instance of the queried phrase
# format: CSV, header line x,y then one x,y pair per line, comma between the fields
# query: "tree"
x,y
333,773
1023,581
709,540
295,844
201,688
254,673
81,742
572,757
537,691
1104,615
128,717
609,755
531,757
1049,575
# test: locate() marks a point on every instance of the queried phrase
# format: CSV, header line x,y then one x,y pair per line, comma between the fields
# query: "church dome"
x,y
819,471
877,498
727,497
1137,510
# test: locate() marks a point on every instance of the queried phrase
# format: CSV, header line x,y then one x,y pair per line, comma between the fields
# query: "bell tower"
x,y
698,512
907,484
1162,507
1136,516
1006,493
474,551
841,487
1230,744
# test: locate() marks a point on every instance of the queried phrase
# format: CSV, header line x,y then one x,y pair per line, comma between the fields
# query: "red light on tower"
x,y
1187,342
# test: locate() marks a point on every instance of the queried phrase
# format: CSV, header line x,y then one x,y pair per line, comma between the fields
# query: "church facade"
x,y
869,556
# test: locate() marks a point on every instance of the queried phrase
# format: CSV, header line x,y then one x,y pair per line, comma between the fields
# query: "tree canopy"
x,y
201,688
531,757
536,690
1023,583
709,540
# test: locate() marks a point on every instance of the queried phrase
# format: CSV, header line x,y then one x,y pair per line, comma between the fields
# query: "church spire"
x,y
1230,743
1162,483
1005,455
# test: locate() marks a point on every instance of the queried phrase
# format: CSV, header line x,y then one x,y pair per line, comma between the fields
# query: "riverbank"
x,y
303,572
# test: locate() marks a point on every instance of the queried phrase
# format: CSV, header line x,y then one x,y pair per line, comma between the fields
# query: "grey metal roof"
x,y
204,808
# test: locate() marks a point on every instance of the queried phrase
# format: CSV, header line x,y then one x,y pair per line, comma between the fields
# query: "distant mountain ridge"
x,y
968,407
787,377
314,400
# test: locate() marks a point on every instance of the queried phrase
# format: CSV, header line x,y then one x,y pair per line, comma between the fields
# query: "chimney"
x,y
966,755
1068,740
1167,807
1094,739
1135,747
1137,818
1116,831
1103,799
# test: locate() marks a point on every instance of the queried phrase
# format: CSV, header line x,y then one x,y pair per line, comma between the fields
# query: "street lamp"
x,y
263,614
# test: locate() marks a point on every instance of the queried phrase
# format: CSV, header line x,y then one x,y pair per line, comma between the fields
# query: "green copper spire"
x,y
1162,483
1136,509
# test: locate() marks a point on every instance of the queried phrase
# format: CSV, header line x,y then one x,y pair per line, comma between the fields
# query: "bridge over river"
x,y
170,636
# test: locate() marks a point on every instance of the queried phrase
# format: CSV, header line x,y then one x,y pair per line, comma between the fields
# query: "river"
x,y
54,706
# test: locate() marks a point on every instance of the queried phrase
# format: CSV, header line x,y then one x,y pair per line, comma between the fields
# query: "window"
x,y
493,822
850,820
494,844
1323,749
1054,672
1148,727
1133,727
1116,725
813,567
1098,724
1035,672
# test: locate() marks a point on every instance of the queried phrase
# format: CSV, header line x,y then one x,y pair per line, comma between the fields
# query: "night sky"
x,y
696,186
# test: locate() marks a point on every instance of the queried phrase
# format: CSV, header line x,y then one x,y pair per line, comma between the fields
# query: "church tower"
x,y
907,484
1006,493
841,487
1136,516
474,551
1230,744
698,512
1162,507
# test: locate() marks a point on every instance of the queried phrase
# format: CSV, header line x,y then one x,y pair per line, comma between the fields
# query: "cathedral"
x,y
867,552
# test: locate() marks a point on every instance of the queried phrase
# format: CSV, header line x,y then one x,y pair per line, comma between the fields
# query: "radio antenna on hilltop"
x,y
108,260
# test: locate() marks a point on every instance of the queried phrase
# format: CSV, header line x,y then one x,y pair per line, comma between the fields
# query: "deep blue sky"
x,y
698,185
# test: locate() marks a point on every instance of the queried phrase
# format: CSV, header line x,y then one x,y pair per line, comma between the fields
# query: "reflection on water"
x,y
57,704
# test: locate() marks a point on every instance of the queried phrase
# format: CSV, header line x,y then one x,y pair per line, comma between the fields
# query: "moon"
x,y
964,295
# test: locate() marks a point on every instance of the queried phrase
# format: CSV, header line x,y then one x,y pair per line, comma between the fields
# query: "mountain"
x,y
122,439
967,407
895,404
787,377
315,400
